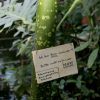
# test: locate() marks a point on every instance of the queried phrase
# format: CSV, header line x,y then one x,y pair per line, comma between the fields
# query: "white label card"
x,y
55,62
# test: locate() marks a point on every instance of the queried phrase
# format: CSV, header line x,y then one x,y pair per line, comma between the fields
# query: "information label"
x,y
55,62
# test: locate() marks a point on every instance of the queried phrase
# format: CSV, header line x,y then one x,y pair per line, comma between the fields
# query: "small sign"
x,y
55,62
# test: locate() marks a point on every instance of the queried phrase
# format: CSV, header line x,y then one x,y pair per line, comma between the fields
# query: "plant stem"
x,y
45,28
33,86
73,6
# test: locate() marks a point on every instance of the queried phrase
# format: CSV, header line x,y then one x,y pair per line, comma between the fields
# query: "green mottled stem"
x,y
33,86
45,29
45,23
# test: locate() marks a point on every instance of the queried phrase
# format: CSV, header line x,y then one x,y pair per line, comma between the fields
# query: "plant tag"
x,y
55,62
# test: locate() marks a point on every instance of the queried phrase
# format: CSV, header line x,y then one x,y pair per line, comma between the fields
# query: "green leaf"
x,y
61,87
16,87
82,46
71,81
13,11
21,49
62,81
92,57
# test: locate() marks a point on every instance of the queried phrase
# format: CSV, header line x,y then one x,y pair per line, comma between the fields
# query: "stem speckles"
x,y
45,21
45,17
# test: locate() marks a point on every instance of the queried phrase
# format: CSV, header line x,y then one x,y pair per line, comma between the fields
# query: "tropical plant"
x,y
19,16
37,31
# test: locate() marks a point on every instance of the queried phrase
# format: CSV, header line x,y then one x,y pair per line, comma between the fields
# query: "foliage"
x,y
14,15
84,34
13,11
19,16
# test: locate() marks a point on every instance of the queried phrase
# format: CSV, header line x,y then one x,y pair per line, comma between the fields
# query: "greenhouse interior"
x,y
49,49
